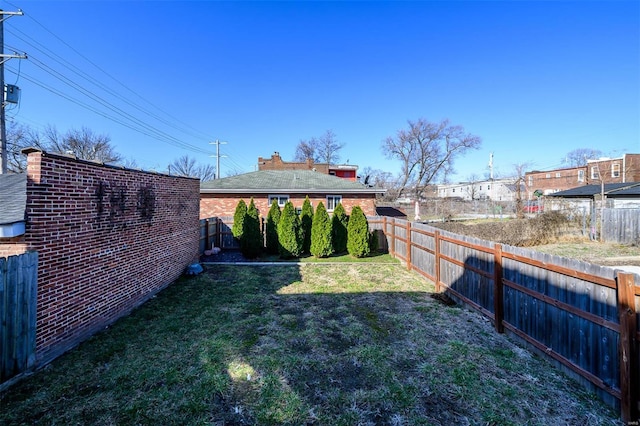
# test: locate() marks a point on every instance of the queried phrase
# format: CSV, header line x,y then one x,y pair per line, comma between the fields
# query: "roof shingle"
x,y
13,198
285,181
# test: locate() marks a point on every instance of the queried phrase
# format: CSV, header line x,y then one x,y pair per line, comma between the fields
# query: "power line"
x,y
103,107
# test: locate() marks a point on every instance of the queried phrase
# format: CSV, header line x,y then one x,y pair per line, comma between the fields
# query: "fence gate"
x,y
18,291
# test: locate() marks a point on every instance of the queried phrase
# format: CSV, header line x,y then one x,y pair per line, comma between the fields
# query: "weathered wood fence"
x,y
18,291
582,316
621,225
216,232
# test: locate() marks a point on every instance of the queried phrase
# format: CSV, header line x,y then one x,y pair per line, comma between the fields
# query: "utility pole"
x,y
4,58
217,143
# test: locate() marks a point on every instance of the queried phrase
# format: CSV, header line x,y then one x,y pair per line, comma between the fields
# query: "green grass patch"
x,y
313,343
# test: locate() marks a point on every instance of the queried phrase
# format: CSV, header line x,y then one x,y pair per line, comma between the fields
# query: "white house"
x,y
496,190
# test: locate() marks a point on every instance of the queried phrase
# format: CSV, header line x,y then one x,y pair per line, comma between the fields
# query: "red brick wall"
x,y
219,205
12,246
108,239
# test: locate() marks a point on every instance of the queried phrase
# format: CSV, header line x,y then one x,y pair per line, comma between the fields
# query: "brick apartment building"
x,y
612,170
344,171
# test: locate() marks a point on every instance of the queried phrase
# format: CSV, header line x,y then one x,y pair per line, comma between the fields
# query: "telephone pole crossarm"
x,y
5,58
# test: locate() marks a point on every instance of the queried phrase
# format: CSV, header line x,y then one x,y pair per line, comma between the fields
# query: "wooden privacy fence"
x,y
621,226
216,232
18,291
580,315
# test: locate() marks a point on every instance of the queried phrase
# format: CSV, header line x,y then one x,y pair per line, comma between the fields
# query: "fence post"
x,y
219,232
498,289
626,346
393,237
408,245
207,246
437,262
384,230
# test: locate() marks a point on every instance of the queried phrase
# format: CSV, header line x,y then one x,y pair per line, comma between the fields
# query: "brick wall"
x,y
12,246
218,205
108,239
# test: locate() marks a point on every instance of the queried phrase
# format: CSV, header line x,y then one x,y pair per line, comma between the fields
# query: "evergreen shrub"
x,y
306,221
289,233
273,217
251,239
238,219
339,223
321,234
358,233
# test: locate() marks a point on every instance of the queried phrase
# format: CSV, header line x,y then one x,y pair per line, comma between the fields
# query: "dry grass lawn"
x,y
314,344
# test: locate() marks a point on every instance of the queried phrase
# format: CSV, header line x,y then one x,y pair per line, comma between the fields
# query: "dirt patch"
x,y
546,228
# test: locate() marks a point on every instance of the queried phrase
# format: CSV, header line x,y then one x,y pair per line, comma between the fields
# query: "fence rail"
x,y
18,291
582,316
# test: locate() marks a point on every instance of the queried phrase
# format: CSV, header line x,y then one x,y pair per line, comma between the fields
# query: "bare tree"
x,y
20,136
324,149
187,166
579,157
427,151
306,150
472,189
328,148
83,143
376,178
519,172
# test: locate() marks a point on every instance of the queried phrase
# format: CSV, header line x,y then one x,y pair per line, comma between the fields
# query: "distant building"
x,y
496,190
344,171
622,169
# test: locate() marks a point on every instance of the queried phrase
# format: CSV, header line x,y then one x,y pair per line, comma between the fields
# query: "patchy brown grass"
x,y
307,344
545,228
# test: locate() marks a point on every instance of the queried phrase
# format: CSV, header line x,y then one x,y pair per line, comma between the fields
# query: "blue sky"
x,y
534,80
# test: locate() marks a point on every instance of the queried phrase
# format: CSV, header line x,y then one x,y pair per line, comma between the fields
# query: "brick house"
x,y
344,171
107,239
219,198
622,169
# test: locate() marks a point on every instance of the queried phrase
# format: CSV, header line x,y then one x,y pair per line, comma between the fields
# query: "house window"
x,y
580,175
548,176
281,199
333,201
594,172
480,187
558,174
530,180
615,170
488,187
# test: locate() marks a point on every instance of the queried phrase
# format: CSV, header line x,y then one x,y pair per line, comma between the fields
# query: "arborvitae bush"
x,y
321,235
289,233
273,217
339,223
238,219
251,239
306,221
358,233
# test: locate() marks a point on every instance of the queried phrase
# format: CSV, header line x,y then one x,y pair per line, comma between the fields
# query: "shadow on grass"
x,y
297,344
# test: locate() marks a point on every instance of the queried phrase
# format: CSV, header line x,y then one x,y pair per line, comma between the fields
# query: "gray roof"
x,y
13,198
611,190
285,181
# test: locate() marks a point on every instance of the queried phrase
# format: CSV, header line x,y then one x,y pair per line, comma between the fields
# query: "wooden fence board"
x,y
18,292
621,225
